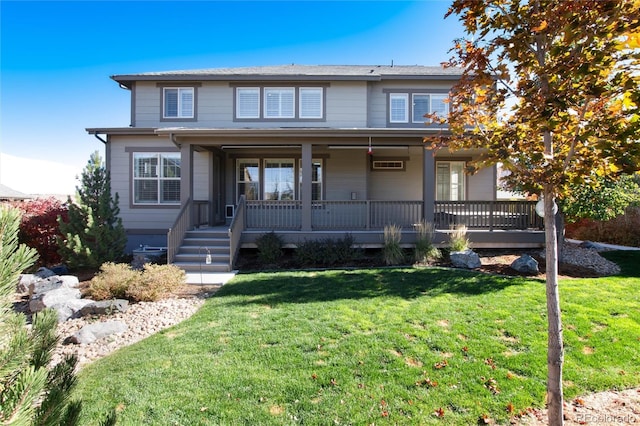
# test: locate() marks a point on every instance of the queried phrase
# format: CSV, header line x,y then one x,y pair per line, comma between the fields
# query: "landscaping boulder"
x,y
92,332
44,273
70,308
467,259
104,307
526,264
25,281
35,284
52,298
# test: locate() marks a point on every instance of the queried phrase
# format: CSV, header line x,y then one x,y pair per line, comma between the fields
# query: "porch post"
x,y
428,186
186,176
306,190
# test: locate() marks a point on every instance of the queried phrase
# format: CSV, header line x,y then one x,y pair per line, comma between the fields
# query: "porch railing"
x,y
176,233
235,230
364,214
487,214
274,214
370,214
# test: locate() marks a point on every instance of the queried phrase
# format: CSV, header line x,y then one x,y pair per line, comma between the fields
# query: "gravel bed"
x,y
143,319
590,258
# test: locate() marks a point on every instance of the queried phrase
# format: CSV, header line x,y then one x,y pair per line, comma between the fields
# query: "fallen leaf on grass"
x,y
439,412
441,364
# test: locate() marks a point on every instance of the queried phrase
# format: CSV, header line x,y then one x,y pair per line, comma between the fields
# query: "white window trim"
x,y
238,110
280,115
238,181
413,103
319,182
320,112
179,114
158,179
405,98
463,183
297,109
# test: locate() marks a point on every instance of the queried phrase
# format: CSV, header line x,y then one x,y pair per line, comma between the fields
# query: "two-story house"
x,y
305,151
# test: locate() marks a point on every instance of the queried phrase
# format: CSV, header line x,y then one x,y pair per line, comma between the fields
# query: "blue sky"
x,y
56,57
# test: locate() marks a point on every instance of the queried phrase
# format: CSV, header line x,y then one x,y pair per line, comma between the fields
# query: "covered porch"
x,y
337,181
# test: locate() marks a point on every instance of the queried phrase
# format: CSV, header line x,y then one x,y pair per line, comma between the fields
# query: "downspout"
x,y
99,138
172,136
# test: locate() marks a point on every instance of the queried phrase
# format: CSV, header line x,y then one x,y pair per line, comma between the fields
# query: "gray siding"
x,y
346,106
346,172
482,185
378,105
394,185
135,217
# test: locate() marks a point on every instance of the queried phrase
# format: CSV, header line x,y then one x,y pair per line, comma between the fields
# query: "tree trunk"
x,y
555,351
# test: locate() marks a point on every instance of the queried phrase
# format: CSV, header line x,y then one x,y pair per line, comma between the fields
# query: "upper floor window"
x,y
410,107
178,102
279,103
398,108
310,102
247,102
429,104
156,178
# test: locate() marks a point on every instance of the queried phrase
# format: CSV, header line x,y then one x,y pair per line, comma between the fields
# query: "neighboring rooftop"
x,y
7,193
301,72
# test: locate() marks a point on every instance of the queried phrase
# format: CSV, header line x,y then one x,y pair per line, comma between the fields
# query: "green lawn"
x,y
383,346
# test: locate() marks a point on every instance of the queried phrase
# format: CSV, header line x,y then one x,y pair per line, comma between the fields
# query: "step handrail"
x,y
178,230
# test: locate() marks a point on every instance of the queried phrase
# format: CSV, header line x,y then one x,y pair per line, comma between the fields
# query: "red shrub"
x,y
623,230
39,227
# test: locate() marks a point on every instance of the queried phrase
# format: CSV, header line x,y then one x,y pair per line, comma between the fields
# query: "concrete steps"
x,y
204,250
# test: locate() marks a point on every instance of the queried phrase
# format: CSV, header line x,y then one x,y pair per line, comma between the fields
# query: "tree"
x,y
611,200
94,233
551,90
30,392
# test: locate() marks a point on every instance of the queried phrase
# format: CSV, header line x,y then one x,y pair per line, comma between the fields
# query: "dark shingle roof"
x,y
301,72
7,193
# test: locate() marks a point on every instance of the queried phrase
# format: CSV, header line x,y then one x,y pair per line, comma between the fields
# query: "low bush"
x,y
392,252
120,281
156,282
269,248
325,252
112,281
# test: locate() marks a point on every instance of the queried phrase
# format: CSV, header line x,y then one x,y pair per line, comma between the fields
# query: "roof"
x,y
299,72
7,193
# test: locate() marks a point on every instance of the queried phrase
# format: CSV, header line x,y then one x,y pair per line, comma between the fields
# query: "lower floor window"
x,y
156,178
275,179
450,181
